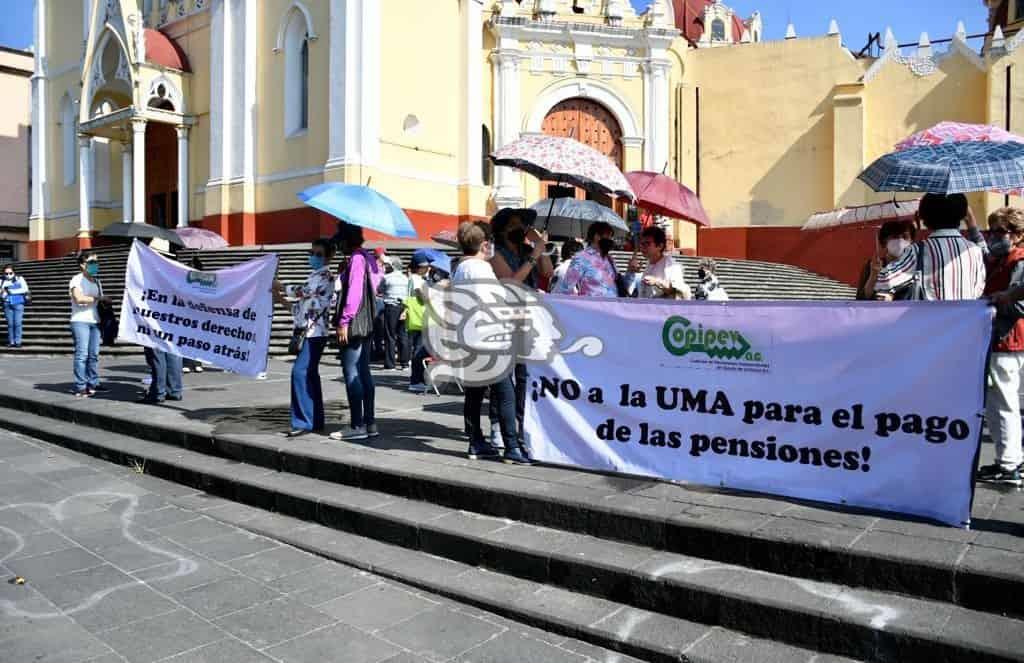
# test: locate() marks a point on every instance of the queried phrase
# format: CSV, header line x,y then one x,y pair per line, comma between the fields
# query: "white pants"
x,y
1003,407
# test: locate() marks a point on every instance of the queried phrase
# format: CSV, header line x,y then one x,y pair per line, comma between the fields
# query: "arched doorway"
x,y
161,175
592,124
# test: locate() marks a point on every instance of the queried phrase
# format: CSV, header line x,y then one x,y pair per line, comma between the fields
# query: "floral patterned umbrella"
x,y
565,160
961,132
958,132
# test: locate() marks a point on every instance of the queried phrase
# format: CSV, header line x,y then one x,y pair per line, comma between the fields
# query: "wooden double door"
x,y
593,125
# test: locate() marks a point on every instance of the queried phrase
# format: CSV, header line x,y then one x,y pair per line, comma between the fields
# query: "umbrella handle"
x,y
551,207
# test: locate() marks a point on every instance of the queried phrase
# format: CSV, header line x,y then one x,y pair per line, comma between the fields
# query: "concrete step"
x,y
556,577
905,557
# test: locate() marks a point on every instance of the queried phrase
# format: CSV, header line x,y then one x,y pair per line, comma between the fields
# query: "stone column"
x,y
508,190
139,170
126,182
656,131
84,181
472,130
183,196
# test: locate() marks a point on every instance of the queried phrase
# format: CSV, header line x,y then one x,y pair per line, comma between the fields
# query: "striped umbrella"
x,y
949,168
958,132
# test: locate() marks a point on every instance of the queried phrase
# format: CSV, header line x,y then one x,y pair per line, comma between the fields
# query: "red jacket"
x,y
999,280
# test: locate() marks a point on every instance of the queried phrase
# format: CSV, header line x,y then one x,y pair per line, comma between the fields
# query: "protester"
x,y
165,379
591,272
413,311
569,249
354,323
15,294
708,287
191,365
893,239
1003,413
394,288
475,243
311,313
518,252
663,278
952,268
86,293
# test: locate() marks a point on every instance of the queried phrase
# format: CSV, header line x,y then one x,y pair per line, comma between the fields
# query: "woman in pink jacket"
x,y
354,333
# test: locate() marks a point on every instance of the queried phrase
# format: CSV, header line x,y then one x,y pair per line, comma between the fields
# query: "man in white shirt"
x,y
663,278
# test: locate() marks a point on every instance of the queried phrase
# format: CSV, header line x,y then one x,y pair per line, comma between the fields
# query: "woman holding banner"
x,y
354,318
311,310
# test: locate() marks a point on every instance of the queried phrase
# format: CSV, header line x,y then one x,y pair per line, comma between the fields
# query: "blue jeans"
x,y
503,408
307,394
165,370
14,313
416,374
355,366
87,352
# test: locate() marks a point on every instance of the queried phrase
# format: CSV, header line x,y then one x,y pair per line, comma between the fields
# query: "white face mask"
x,y
896,246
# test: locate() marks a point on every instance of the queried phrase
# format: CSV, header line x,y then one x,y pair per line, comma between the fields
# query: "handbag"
x,y
297,341
361,325
107,320
914,291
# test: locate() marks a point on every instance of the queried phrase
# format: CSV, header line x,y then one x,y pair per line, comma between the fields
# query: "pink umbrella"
x,y
958,132
565,160
200,238
660,194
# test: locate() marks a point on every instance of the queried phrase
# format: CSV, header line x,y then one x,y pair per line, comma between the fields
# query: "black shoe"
x,y
174,398
297,432
996,474
99,389
514,456
149,400
482,450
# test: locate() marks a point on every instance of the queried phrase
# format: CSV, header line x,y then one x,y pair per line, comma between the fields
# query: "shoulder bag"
x,y
914,291
362,324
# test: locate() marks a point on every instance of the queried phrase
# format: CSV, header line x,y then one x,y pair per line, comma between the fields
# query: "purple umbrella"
x,y
200,238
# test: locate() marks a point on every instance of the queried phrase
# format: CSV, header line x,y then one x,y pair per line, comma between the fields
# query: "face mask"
x,y
605,245
517,236
8,275
895,247
999,247
92,268
316,262
489,251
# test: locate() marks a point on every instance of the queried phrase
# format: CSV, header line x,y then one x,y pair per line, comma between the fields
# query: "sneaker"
x,y
497,441
80,394
418,388
996,474
482,450
147,381
99,389
198,369
372,430
261,376
514,456
350,434
186,370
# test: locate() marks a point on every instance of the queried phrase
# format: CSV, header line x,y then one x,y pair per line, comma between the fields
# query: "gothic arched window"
x,y
296,74
69,140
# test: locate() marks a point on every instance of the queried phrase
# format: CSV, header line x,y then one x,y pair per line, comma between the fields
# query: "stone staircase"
x,y
46,319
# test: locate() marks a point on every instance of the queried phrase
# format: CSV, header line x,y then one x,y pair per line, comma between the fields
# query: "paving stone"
x,y
419,566
227,595
22,523
35,613
234,512
322,583
902,547
133,557
54,564
472,524
38,544
535,538
338,644
273,622
272,564
609,553
728,647
63,642
440,634
806,532
195,531
159,637
481,583
225,651
406,657
376,607
169,515
230,546
73,588
168,578
513,647
991,633
122,606
565,606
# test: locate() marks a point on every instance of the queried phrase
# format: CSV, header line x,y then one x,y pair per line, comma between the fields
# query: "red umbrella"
x,y
660,194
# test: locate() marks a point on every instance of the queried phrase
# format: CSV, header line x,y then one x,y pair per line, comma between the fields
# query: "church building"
x,y
215,113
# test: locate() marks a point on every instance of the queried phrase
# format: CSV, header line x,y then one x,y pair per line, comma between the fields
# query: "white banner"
x,y
222,317
864,404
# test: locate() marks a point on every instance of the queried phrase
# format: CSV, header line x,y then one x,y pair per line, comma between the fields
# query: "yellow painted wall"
x,y
766,129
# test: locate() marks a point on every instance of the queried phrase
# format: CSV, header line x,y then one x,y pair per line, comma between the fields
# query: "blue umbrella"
x,y
361,206
949,168
571,218
433,257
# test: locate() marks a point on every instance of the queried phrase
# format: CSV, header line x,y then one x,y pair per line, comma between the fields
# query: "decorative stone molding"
x,y
717,26
924,61
162,89
286,18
